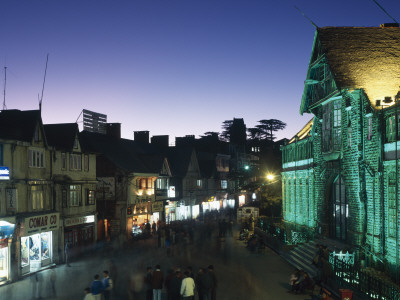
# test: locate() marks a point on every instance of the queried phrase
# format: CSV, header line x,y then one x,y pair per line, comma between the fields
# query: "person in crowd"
x,y
170,275
306,284
66,252
97,287
204,284
107,285
175,285
214,282
187,287
190,271
88,294
294,277
148,283
157,282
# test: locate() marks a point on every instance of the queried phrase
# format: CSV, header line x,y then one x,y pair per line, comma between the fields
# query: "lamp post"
x,y
271,192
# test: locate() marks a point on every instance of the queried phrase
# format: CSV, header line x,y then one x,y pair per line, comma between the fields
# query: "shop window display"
x,y
35,249
44,238
3,263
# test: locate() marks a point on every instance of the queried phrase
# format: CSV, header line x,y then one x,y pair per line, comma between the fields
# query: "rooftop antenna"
x,y
44,81
380,6
4,92
304,15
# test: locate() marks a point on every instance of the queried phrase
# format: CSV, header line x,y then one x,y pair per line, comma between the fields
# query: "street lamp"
x,y
270,177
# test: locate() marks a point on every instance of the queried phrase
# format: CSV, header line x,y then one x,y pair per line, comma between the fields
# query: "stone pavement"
x,y
241,274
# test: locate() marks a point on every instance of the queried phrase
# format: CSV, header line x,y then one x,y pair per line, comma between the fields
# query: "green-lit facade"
x,y
341,171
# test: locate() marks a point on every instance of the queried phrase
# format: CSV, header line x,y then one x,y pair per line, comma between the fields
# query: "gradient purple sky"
x,y
173,67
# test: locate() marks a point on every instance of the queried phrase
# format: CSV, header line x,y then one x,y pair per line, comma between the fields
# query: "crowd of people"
x,y
99,287
179,283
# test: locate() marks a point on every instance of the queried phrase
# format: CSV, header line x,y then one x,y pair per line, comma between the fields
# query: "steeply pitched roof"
x,y
19,125
179,158
304,132
364,58
126,154
61,136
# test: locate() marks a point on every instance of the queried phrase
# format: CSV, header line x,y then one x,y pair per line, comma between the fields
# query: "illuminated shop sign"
x,y
157,206
78,220
42,223
4,173
171,192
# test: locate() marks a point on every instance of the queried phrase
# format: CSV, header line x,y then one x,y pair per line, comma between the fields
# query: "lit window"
x,y
90,197
224,184
37,197
74,195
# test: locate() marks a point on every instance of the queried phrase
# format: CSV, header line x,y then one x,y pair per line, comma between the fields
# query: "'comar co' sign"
x,y
42,223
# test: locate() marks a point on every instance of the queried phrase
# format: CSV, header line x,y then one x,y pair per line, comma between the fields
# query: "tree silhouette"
x,y
265,130
226,132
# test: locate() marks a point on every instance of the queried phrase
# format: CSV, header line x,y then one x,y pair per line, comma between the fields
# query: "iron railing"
x,y
367,282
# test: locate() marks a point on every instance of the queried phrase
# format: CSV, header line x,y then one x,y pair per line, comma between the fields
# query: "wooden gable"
x,y
319,84
165,169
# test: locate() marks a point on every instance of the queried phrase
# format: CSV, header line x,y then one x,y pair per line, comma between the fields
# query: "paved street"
x,y
241,274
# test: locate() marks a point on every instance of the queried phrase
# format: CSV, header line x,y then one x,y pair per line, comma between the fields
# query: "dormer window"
x,y
76,143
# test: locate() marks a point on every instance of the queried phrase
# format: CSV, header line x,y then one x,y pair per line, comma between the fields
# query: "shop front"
x,y
79,233
38,235
7,226
170,212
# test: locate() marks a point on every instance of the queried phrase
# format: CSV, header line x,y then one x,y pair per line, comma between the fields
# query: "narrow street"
x,y
241,274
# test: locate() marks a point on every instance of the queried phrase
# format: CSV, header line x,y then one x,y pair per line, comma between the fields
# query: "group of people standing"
x,y
181,285
99,287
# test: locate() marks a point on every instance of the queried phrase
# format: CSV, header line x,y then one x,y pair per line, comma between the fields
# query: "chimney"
x,y
141,136
389,25
161,141
113,129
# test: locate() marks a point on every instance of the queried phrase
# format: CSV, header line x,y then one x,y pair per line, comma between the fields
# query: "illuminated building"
x,y
341,171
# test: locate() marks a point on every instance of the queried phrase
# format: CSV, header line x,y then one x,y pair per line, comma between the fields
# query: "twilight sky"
x,y
173,67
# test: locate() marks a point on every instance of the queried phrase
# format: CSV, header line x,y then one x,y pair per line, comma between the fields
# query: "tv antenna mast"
x,y
380,6
304,15
4,91
44,81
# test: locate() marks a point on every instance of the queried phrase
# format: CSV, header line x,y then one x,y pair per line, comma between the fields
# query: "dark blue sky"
x,y
172,67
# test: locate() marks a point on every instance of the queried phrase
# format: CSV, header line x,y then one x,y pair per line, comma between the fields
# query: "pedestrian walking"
x,y
157,282
148,283
88,294
113,272
214,282
107,285
66,252
187,287
97,287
